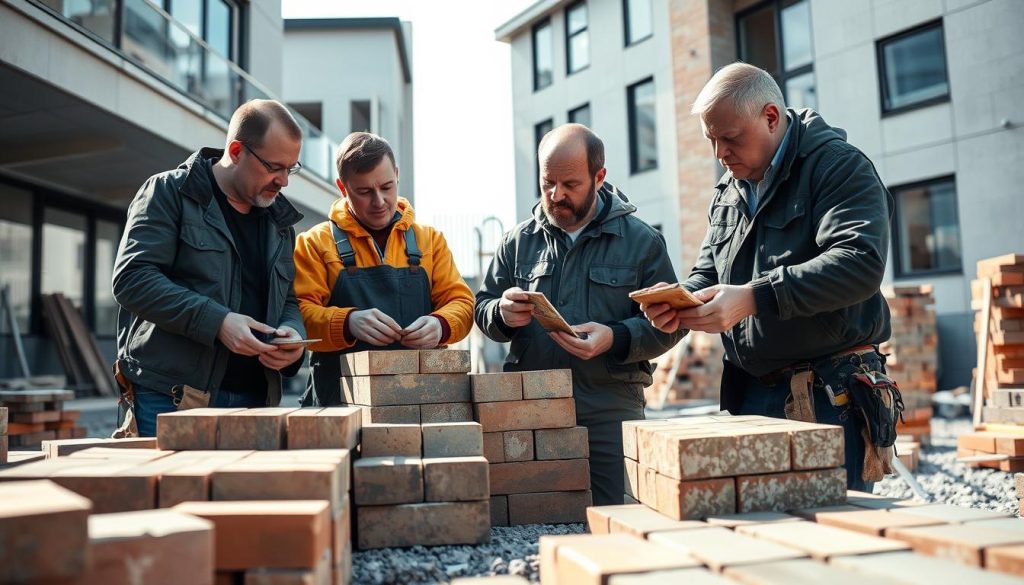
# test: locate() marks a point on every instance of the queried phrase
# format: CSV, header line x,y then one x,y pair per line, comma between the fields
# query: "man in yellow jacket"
x,y
371,277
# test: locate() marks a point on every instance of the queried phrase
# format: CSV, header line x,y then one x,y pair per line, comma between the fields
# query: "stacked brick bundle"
x,y
698,375
35,416
1004,368
912,355
421,485
538,456
1005,451
694,467
408,386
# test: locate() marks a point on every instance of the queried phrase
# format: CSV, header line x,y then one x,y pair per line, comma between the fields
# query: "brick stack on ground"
x,y
912,356
1007,449
35,416
1004,375
693,467
539,467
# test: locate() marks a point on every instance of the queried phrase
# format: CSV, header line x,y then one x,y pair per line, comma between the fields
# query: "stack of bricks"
x,y
912,355
1005,450
35,416
421,485
698,376
689,468
539,469
1004,375
408,386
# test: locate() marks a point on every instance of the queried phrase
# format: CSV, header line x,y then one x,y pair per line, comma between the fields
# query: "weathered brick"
x,y
380,362
405,389
494,447
497,387
762,450
112,487
256,480
191,481
65,447
444,361
526,414
327,428
562,443
870,522
683,455
455,479
391,415
446,412
547,384
631,478
430,524
463,439
594,561
518,445
719,547
816,446
734,520
279,534
380,481
638,520
253,428
499,510
190,429
539,476
821,542
963,543
790,491
549,507
43,532
381,440
629,435
695,499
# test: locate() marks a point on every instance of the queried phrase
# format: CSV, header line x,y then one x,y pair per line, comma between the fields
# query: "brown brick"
x,y
455,479
405,389
494,447
112,487
1006,559
380,440
499,510
190,429
526,414
639,520
821,542
547,384
43,532
549,507
380,481
817,446
444,361
539,476
279,534
631,478
870,522
257,480
963,543
341,532
3,449
790,491
518,445
380,363
719,547
391,415
325,428
430,524
497,387
253,428
692,500
65,447
734,520
594,561
191,481
463,439
562,443
446,412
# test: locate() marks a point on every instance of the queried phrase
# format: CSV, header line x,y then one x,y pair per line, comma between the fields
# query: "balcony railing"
x,y
151,38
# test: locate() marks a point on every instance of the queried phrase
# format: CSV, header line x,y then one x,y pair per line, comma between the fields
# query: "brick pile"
x,y
912,355
699,375
35,416
693,467
539,469
1004,375
1009,445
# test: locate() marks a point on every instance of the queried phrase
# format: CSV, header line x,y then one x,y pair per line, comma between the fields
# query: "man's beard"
x,y
263,200
578,213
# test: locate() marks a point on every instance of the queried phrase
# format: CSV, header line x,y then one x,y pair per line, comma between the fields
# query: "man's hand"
x,y
662,316
236,334
281,357
423,333
374,327
724,306
515,312
598,340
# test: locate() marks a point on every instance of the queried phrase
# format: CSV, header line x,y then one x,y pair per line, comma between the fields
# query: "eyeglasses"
x,y
273,169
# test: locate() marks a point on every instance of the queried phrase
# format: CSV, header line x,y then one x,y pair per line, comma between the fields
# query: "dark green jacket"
x,y
177,275
589,281
815,252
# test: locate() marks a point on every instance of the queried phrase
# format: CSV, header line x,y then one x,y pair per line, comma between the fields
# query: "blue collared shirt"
x,y
754,191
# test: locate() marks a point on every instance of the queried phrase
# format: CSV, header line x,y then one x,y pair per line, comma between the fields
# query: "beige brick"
x,y
255,480
498,387
326,428
549,546
790,491
594,561
629,435
734,520
405,389
455,479
65,447
526,414
253,428
641,520
632,478
817,446
43,532
719,547
917,569
948,513
447,412
430,524
694,576
821,542
518,445
1006,559
648,486
494,447
870,522
962,543
549,507
802,571
380,363
547,384
190,429
696,499
499,510
562,443
444,361
391,415
380,481
696,457
389,440
539,476
463,439
599,517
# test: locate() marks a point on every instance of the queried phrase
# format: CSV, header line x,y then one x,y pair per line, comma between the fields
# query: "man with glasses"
x,y
204,275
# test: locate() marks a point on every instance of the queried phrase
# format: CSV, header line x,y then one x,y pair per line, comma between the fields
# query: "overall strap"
x,y
345,251
412,250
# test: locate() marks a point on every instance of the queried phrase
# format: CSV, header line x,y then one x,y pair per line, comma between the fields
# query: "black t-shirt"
x,y
244,374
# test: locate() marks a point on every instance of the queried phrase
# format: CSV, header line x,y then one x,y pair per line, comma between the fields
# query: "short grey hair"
x,y
747,87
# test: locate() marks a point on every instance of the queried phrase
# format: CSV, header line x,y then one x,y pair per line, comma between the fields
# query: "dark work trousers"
x,y
607,470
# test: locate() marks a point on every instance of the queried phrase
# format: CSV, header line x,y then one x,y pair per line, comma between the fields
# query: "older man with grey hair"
x,y
790,269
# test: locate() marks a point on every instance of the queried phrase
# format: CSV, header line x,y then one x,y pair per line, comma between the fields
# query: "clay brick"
x,y
632,478
190,429
43,532
962,543
629,435
1006,559
253,428
380,481
1002,524
499,510
870,522
65,447
326,428
444,361
719,547
817,446
430,524
734,520
380,363
156,547
122,455
692,500
647,483
518,445
446,412
524,415
638,520
978,441
684,455
801,571
790,491
821,542
494,447
599,517
318,576
405,389
562,443
112,487
948,513
380,440
191,481
695,576
549,507
278,534
762,450
594,561
455,479
341,533
256,480
391,415
464,439
497,387
916,569
539,476
547,384
549,546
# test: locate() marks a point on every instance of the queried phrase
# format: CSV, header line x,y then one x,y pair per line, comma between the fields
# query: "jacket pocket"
x,y
608,292
528,276
725,218
203,262
786,238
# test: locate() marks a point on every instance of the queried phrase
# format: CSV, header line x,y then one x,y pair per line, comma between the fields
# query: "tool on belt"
x,y
185,397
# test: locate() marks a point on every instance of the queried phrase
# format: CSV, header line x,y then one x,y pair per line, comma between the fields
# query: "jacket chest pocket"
x,y
203,261
726,221
608,292
786,238
534,277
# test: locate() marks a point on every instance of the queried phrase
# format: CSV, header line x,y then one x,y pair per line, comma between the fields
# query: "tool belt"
x,y
185,397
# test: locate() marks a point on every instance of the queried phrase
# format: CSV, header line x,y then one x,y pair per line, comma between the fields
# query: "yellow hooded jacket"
x,y
317,266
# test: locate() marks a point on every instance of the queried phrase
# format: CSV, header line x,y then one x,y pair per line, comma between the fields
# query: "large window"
x,y
926,231
638,22
912,69
643,127
108,237
776,36
543,60
580,115
211,20
539,130
577,38
16,253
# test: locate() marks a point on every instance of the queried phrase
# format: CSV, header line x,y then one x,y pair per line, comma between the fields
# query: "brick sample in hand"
x,y
380,481
549,507
254,428
453,440
455,479
194,429
324,428
43,532
428,524
405,389
380,363
444,361
569,443
719,547
525,415
499,387
539,384
386,440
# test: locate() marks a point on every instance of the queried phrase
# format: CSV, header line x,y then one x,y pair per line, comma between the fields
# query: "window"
x,y
638,22
643,143
577,38
360,116
776,36
108,236
543,60
16,253
580,115
64,238
211,20
539,130
312,111
926,230
912,69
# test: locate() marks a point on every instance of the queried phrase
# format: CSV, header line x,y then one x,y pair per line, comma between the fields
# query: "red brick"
x,y
380,363
190,429
326,428
464,439
518,445
547,384
405,389
692,500
430,524
110,491
393,415
526,414
191,481
444,361
821,542
254,428
790,491
499,510
380,481
255,480
498,387
455,479
562,443
963,543
494,447
595,561
446,412
385,440
43,532
549,507
539,476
